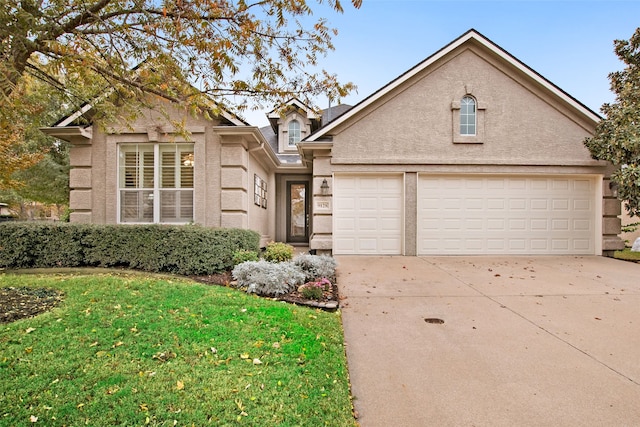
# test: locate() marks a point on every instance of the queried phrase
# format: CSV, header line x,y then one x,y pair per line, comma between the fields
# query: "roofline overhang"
x,y
306,149
70,133
255,139
466,37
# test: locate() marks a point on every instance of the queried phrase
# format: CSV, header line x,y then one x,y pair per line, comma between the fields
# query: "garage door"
x,y
367,214
506,215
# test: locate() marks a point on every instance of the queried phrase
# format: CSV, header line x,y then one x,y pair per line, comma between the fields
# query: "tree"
x,y
33,166
617,136
266,50
14,156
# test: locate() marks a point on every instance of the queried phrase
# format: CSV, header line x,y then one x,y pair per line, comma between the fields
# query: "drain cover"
x,y
434,320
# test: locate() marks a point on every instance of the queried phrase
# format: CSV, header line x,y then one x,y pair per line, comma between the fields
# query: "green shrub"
x,y
278,252
186,250
311,291
243,255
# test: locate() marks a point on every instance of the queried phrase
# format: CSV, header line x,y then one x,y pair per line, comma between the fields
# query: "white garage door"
x,y
367,214
506,215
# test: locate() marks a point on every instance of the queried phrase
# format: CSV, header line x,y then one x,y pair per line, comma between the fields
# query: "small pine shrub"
x,y
311,290
316,266
268,278
278,252
243,255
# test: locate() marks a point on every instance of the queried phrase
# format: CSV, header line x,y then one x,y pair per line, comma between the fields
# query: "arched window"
x,y
294,132
468,116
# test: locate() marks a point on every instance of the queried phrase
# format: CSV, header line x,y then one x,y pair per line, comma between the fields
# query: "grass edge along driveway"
x,y
130,349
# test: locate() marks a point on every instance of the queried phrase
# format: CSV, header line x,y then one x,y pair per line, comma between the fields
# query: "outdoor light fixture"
x,y
613,186
324,188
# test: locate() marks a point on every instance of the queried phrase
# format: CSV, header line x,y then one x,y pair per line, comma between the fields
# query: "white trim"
x,y
470,35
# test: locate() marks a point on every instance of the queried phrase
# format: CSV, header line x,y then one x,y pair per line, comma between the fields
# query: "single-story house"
x,y
469,152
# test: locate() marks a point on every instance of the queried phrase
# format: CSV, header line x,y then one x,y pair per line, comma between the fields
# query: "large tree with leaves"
x,y
33,166
617,136
203,54
264,49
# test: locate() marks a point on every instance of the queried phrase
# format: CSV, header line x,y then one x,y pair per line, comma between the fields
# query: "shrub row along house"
x,y
469,152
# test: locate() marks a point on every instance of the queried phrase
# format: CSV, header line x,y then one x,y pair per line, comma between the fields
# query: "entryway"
x,y
298,211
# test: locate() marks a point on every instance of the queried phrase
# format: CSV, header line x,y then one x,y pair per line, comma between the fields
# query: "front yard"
x,y
132,349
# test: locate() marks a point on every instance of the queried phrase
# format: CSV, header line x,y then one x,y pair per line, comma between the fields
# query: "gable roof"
x,y
470,36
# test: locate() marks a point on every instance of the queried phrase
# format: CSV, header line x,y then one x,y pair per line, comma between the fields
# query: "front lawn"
x,y
627,255
129,349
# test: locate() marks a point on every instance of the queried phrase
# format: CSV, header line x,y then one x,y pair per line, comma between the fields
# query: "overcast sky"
x,y
568,42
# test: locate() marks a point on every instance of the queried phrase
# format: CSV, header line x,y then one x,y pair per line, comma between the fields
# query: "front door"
x,y
298,211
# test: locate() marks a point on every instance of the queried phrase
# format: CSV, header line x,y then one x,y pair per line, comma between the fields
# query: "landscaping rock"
x,y
636,245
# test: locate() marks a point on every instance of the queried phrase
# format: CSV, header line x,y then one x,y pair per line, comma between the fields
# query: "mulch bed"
x,y
20,303
329,301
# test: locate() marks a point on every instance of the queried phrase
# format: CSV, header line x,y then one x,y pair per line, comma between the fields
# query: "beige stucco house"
x,y
469,152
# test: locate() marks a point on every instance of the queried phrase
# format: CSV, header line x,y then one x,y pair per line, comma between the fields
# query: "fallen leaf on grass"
x,y
257,361
33,419
180,385
29,330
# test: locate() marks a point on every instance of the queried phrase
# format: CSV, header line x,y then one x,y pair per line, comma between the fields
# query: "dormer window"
x,y
294,133
468,116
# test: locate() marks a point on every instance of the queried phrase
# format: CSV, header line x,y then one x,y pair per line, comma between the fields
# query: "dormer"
x,y
292,123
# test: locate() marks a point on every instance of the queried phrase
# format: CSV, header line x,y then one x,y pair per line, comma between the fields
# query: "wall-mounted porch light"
x,y
613,186
324,188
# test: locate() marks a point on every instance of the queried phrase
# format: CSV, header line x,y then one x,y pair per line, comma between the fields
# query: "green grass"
x,y
627,255
137,350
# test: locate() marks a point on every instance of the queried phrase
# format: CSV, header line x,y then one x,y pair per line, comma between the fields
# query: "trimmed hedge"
x,y
186,250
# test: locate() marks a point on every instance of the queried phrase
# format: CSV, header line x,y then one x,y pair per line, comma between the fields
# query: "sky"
x,y
568,42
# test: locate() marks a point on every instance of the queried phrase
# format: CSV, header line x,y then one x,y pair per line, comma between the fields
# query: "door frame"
x,y
307,206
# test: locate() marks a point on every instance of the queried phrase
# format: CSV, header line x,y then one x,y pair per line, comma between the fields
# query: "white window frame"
x,y
293,135
466,102
157,185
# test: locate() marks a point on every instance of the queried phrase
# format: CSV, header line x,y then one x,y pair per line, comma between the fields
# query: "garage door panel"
x,y
506,215
374,215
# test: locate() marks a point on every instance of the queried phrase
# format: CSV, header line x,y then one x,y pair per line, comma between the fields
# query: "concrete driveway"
x,y
534,341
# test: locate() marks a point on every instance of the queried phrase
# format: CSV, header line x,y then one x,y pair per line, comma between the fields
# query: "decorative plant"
x,y
268,278
243,255
311,291
278,252
315,266
315,290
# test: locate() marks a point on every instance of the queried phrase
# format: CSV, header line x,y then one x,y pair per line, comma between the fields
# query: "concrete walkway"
x,y
526,341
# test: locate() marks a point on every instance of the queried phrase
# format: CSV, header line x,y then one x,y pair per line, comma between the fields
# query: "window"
x,y
468,116
294,132
259,191
155,183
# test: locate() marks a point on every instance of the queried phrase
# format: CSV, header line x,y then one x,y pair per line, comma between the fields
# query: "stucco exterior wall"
x,y
522,128
415,123
261,218
223,172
